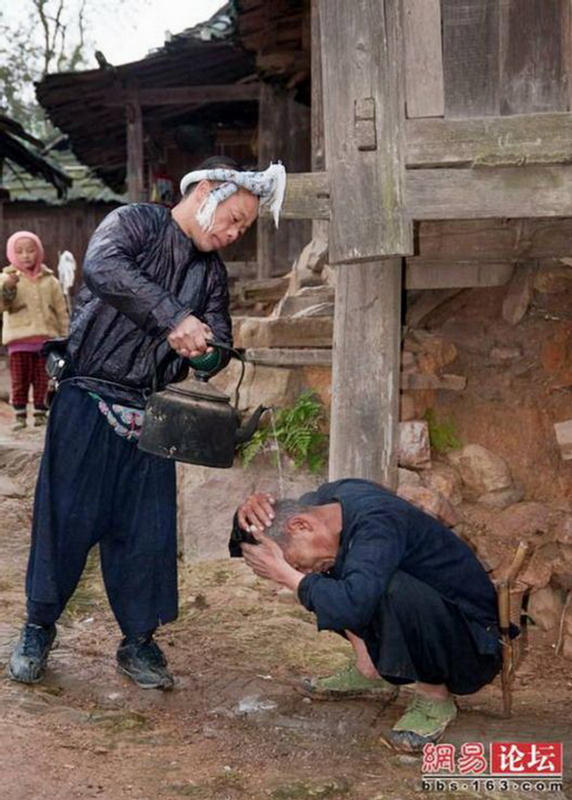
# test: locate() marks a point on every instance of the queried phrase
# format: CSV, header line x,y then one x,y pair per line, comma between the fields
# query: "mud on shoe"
x,y
29,657
424,721
347,684
143,661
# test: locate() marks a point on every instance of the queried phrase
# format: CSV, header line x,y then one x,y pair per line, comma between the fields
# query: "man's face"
x,y
310,548
232,219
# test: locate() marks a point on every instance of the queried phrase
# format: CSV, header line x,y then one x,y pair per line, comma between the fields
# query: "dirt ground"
x,y
234,728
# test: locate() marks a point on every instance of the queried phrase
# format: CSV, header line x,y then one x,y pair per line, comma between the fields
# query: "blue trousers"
x,y
96,487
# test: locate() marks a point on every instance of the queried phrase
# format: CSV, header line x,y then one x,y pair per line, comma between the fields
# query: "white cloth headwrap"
x,y
268,185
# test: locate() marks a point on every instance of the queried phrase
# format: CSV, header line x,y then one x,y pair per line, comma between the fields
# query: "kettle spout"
x,y
246,431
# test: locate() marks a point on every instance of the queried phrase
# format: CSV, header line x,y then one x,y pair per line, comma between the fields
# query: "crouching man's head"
x,y
309,536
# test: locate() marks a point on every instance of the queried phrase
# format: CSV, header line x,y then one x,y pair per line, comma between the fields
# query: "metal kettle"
x,y
196,424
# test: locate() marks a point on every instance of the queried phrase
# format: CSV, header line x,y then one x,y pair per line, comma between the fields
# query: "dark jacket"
x,y
142,275
382,533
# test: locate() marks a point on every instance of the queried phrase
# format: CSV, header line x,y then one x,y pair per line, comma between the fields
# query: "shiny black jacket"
x,y
142,275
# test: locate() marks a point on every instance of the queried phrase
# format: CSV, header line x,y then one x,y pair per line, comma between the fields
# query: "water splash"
x,y
276,447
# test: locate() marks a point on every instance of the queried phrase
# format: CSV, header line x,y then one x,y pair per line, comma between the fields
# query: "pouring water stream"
x,y
276,447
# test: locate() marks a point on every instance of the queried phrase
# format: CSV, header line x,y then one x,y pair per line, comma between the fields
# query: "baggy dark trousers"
x,y
97,487
417,635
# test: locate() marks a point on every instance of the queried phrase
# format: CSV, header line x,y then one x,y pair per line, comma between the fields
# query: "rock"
x,y
554,277
481,470
303,299
527,520
502,498
505,353
545,607
567,633
563,529
445,479
317,310
563,431
431,502
8,488
309,264
407,407
433,350
407,477
539,570
414,446
518,294
282,332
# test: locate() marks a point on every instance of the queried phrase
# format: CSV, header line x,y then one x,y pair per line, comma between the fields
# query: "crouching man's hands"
x,y
256,513
266,559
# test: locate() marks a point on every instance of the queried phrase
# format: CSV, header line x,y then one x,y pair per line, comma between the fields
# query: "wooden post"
x,y
283,133
135,182
364,117
319,227
365,374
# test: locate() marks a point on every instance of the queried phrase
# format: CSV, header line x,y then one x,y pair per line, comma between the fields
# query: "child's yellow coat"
x,y
38,309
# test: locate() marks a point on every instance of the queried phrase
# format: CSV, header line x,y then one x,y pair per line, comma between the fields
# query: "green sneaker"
x,y
425,720
346,684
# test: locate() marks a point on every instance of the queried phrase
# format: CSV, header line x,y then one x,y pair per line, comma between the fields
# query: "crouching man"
x,y
410,596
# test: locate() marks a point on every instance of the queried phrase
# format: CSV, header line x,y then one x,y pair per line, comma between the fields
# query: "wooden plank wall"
x,y
59,227
499,57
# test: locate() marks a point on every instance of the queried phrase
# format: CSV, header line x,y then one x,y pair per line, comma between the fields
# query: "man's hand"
x,y
256,512
189,337
11,281
267,560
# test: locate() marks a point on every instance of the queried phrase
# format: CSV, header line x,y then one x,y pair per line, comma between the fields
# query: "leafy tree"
x,y
44,36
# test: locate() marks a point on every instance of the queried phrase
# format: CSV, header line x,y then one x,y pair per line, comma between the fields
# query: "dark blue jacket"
x,y
142,276
382,533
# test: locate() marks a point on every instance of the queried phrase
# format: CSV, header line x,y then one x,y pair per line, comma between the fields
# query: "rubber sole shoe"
x,y
28,660
424,721
348,684
143,661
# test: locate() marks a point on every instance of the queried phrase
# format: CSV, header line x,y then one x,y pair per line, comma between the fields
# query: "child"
x,y
34,310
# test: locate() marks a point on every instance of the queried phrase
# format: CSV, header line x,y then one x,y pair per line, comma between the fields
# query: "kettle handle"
x,y
212,343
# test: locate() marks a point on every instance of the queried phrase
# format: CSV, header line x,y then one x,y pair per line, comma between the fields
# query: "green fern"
x,y
298,432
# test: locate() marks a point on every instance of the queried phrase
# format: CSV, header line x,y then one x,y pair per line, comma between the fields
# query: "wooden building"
x,y
207,90
446,131
440,151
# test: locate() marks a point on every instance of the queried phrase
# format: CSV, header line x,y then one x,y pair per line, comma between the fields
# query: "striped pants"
x,y
28,369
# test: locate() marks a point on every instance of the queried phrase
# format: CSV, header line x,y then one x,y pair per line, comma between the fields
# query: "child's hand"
x,y
11,281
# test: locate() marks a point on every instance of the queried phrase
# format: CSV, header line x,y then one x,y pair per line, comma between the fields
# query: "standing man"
x,y
155,292
414,602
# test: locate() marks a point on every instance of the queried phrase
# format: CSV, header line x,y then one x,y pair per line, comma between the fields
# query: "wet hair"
x,y
214,162
283,511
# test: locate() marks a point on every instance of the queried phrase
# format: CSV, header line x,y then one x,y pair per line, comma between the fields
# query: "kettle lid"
x,y
199,390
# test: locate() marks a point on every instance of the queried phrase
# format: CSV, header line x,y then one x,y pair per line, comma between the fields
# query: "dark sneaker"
x,y
28,659
143,660
348,684
425,720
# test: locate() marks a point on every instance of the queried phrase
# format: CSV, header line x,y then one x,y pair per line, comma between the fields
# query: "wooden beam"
x,y
482,193
135,182
183,95
365,374
494,239
364,101
423,58
290,356
320,228
490,141
307,197
422,273
456,194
